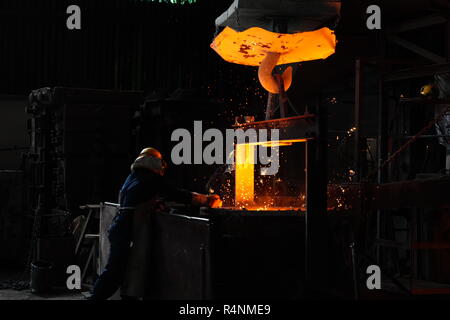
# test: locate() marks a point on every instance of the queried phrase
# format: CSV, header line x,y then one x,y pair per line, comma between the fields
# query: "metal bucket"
x,y
41,276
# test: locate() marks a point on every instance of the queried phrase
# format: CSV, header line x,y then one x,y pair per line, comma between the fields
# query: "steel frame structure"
x,y
391,195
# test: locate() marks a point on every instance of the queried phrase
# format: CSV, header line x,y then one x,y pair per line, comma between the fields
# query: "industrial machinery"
x,y
78,138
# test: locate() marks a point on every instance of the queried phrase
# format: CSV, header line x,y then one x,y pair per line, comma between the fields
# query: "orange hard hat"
x,y
150,158
151,152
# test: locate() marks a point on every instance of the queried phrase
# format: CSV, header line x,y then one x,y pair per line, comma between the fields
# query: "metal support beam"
x,y
421,100
316,230
418,23
418,72
447,36
381,142
416,49
357,113
426,193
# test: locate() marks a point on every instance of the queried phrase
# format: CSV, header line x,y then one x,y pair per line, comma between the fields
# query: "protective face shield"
x,y
151,159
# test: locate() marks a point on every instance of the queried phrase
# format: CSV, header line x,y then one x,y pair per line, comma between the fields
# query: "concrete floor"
x,y
9,294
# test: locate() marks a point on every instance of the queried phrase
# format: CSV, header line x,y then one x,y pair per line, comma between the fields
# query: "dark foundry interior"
x,y
225,150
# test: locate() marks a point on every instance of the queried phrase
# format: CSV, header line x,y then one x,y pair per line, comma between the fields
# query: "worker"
x,y
144,185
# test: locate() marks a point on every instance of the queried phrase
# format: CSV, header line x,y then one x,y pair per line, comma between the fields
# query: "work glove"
x,y
214,201
202,200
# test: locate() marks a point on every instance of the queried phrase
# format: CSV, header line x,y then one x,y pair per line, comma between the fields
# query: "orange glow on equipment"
x,y
245,174
251,46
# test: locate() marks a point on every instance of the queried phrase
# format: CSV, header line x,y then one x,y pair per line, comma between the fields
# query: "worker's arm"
x,y
187,197
176,194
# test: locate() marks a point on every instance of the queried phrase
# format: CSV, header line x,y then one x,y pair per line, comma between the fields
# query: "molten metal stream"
x,y
245,175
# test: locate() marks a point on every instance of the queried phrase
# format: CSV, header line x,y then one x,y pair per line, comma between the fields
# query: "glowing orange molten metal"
x,y
245,175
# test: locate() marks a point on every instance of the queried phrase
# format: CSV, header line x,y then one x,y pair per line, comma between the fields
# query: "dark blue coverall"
x,y
140,186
